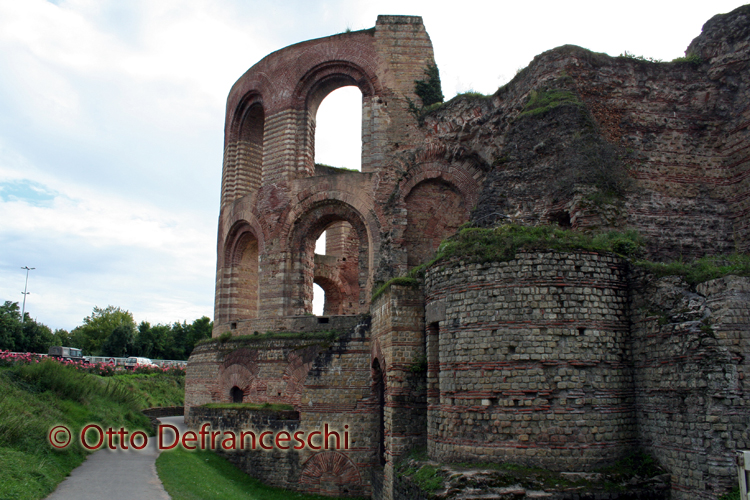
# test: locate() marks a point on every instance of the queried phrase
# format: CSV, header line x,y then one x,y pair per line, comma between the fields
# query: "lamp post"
x,y
25,293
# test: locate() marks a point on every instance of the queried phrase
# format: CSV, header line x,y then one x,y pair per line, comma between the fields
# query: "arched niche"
x,y
242,266
435,211
243,162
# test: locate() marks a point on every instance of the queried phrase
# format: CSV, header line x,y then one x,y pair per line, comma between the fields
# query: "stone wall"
x,y
531,361
689,350
398,353
327,381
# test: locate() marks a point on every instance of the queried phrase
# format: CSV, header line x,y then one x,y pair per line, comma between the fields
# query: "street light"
x,y
25,293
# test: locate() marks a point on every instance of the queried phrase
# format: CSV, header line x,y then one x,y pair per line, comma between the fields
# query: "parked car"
x,y
134,362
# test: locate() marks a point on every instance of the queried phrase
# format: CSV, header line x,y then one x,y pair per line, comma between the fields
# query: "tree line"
x,y
109,331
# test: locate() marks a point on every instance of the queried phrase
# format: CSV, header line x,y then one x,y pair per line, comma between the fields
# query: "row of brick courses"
x,y
689,357
531,361
327,382
398,338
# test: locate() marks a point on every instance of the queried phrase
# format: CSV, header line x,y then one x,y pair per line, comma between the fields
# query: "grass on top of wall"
x,y
203,475
701,270
251,406
500,244
324,335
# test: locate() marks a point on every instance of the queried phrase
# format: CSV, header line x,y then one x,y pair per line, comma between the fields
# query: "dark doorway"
x,y
236,394
379,390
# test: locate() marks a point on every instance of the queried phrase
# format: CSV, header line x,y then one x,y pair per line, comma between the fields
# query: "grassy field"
x,y
39,396
203,475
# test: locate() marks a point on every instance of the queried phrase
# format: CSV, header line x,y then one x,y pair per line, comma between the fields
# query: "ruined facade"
x,y
567,361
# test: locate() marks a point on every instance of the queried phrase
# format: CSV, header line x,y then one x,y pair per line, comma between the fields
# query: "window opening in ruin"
x,y
336,258
581,330
319,297
561,218
338,129
236,394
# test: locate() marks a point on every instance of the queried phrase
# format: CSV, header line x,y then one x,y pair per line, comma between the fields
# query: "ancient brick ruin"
x,y
567,361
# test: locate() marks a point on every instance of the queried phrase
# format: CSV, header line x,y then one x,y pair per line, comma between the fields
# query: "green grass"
x,y
501,244
543,101
155,389
325,335
251,406
203,475
701,270
39,396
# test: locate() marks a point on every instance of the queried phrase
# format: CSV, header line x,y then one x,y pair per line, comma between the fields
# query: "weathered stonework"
x,y
568,361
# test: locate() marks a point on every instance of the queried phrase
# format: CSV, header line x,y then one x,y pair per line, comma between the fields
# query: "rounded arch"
x,y
243,155
334,295
240,274
303,233
324,78
330,472
235,376
438,199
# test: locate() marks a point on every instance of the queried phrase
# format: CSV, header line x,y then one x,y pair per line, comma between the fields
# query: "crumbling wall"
x,y
689,351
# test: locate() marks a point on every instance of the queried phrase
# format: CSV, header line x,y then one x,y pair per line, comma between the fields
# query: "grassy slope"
x,y
203,475
36,398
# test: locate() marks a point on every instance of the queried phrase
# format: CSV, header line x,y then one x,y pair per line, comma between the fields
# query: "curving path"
x,y
117,475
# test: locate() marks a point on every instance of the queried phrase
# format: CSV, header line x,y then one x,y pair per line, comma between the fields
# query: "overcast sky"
x,y
112,114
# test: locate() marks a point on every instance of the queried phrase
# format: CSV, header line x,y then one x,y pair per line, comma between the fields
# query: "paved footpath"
x,y
118,475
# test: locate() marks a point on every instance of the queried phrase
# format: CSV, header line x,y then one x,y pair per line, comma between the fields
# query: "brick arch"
x,y
466,178
438,199
328,76
239,274
330,472
300,363
305,224
235,375
243,153
334,298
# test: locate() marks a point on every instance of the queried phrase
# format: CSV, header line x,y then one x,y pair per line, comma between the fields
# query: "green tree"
x,y
97,328
37,337
199,330
120,342
11,328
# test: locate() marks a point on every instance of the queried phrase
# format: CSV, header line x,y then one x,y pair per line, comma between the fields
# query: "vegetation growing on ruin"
x,y
502,243
701,270
484,477
429,89
204,475
693,59
251,406
409,281
326,335
542,101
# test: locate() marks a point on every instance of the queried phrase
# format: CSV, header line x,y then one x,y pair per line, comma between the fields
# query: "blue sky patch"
x,y
29,191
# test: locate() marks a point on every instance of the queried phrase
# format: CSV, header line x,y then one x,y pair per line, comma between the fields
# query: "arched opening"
x,y
435,210
244,278
338,129
336,269
236,395
342,273
378,389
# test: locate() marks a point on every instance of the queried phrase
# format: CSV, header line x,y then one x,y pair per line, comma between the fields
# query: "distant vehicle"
x,y
71,353
133,362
